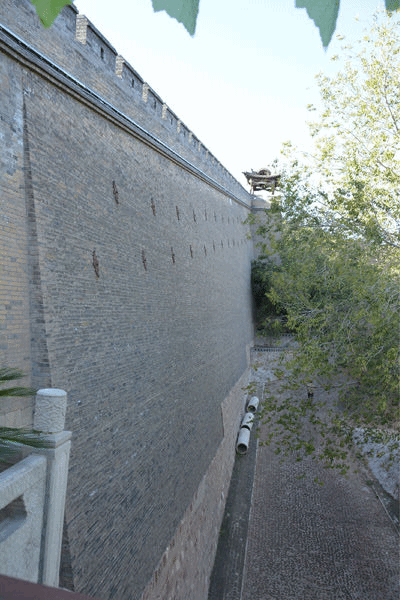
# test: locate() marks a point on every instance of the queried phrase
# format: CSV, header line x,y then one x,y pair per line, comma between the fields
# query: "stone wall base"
x,y
185,568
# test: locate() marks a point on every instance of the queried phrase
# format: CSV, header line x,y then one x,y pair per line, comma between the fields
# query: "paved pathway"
x,y
312,542
304,541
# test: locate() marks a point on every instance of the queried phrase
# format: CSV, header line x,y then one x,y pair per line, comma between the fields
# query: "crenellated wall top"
x,y
77,46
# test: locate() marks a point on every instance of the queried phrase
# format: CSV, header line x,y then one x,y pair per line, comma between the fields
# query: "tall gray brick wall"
x,y
125,280
14,278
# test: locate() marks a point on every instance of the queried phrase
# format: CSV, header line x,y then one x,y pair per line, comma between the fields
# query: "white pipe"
x,y
243,440
253,404
248,420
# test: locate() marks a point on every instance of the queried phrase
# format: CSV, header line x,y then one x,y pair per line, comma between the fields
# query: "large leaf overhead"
x,y
324,13
184,11
392,5
48,10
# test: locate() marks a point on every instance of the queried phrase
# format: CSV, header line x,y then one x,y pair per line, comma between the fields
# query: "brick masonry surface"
x,y
125,280
185,568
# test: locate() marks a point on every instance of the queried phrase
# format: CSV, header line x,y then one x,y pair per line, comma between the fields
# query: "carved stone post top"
x,y
51,392
50,409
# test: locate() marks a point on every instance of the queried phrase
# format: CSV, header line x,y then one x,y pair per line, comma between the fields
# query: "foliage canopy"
x,y
336,283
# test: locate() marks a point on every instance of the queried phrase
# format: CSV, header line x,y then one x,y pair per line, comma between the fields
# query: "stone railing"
x,y
32,496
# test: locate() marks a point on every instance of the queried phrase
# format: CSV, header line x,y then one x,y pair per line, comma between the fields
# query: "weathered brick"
x,y
127,277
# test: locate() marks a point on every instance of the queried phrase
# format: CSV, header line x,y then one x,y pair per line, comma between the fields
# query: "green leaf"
x,y
392,5
324,14
24,435
7,374
184,11
48,10
17,391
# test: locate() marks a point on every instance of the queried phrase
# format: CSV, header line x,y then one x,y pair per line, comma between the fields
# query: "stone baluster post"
x,y
49,419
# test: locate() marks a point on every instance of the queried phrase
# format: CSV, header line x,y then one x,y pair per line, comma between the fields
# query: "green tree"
x,y
357,134
338,277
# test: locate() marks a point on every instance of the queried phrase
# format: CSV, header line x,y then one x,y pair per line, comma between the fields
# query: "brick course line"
x,y
14,46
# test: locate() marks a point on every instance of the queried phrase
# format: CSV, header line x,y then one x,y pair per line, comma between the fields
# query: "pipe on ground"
x,y
248,420
243,440
253,404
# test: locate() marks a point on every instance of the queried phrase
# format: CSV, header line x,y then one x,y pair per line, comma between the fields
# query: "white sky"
x,y
242,83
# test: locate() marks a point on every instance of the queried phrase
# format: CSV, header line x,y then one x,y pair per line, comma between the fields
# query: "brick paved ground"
x,y
311,542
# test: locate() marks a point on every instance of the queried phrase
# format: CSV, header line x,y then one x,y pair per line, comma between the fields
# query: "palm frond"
x,y
17,391
7,374
11,438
